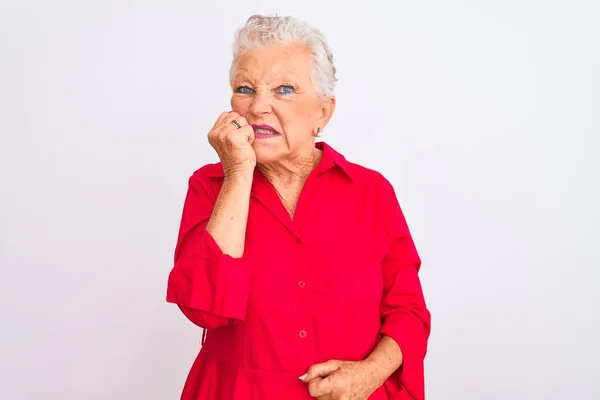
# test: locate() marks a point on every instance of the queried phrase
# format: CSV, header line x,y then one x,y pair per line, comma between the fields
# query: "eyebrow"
x,y
241,75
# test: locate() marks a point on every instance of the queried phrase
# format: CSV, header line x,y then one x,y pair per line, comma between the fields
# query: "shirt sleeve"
x,y
405,317
210,287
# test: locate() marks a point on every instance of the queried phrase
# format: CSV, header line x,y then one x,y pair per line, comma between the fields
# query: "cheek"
x,y
239,105
292,115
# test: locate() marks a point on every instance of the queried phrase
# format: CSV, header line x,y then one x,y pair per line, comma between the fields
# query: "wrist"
x,y
375,373
240,176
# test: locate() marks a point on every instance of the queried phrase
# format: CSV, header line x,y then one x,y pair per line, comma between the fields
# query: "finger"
x,y
243,135
241,120
327,397
320,370
236,122
222,118
229,131
230,117
237,137
248,131
319,388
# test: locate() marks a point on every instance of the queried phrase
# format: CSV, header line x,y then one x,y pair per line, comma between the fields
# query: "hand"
x,y
233,145
341,380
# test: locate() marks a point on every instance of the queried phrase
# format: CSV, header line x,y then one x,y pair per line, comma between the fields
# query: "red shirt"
x,y
325,285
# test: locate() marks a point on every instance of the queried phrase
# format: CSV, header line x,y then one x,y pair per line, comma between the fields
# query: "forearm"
x,y
384,360
227,224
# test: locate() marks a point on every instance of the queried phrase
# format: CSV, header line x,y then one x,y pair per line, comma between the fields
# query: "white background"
x,y
483,114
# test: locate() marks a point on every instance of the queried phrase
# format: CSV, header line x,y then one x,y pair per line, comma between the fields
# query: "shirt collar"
x,y
331,158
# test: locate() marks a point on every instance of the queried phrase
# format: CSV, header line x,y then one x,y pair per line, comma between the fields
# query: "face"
x,y
272,87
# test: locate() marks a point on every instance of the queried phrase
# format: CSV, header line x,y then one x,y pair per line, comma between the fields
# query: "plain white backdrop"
x,y
483,114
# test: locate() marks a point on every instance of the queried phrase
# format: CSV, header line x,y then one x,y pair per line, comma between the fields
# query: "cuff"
x,y
208,280
408,382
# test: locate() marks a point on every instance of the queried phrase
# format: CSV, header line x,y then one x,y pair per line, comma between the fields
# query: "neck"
x,y
293,171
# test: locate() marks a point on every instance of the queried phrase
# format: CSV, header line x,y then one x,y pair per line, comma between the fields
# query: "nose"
x,y
261,103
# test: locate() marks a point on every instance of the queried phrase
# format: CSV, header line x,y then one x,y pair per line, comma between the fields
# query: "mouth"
x,y
264,131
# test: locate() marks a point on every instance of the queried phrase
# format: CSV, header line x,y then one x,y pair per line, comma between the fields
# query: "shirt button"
x,y
301,284
302,333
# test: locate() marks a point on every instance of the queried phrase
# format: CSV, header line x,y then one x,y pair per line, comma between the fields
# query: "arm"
x,y
397,360
210,279
227,224
337,379
405,318
384,360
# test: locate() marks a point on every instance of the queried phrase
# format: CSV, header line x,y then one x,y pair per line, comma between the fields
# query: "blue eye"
x,y
244,90
286,89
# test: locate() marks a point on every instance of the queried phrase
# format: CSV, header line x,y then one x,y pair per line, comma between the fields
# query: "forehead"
x,y
276,61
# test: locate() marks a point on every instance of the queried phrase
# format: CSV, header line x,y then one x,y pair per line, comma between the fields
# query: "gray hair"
x,y
262,31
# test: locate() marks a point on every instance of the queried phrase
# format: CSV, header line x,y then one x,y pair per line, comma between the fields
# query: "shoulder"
x,y
379,192
206,179
214,170
368,178
206,174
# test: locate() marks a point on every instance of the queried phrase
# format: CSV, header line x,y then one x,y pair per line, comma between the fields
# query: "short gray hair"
x,y
263,31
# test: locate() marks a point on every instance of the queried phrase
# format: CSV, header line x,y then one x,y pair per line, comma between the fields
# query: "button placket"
x,y
303,320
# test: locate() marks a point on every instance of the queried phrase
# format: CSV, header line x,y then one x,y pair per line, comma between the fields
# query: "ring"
x,y
236,124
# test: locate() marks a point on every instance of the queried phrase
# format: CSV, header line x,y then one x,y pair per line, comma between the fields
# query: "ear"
x,y
326,111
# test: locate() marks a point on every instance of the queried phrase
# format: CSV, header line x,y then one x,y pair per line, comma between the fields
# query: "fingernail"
x,y
303,377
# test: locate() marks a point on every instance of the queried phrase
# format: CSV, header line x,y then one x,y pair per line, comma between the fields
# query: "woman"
x,y
297,263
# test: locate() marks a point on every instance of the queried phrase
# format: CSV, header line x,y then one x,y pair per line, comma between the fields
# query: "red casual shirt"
x,y
325,285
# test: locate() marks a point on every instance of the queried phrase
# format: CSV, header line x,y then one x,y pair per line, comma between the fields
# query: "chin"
x,y
266,154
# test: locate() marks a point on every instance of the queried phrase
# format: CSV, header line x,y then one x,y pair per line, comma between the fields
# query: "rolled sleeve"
x,y
209,286
405,317
205,279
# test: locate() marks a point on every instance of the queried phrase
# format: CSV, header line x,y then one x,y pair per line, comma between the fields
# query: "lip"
x,y
265,128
